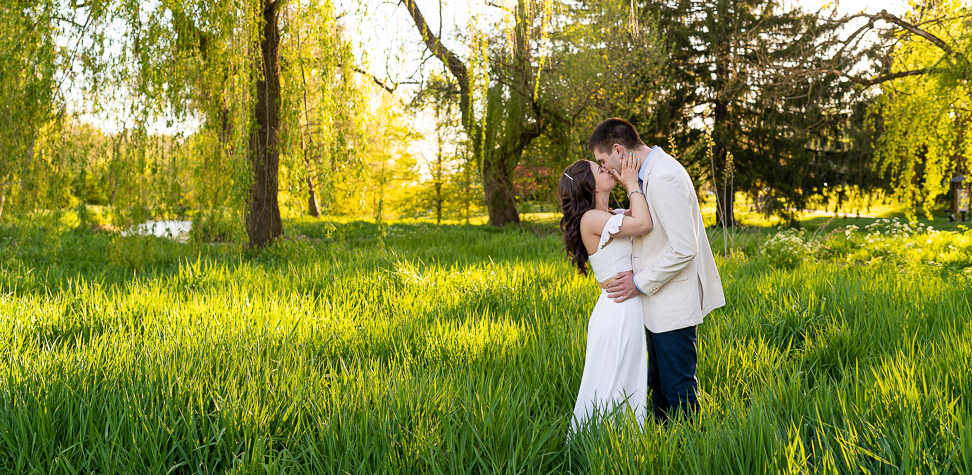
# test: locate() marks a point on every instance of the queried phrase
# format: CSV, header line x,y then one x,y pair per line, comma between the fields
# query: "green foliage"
x,y
453,190
605,59
327,141
926,118
31,63
215,225
458,349
118,50
539,72
112,54
776,135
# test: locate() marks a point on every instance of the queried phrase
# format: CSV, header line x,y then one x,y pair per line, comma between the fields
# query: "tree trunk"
x,y
721,130
467,186
263,220
726,202
498,188
438,182
312,208
723,181
226,147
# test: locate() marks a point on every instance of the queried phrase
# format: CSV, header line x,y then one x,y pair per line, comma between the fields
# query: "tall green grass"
x,y
459,349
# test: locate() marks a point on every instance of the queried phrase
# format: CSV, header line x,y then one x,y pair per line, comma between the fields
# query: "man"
x,y
673,268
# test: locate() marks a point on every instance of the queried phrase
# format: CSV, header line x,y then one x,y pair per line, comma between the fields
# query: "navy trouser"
x,y
672,361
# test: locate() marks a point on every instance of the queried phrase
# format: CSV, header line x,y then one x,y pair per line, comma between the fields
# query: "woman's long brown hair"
x,y
575,191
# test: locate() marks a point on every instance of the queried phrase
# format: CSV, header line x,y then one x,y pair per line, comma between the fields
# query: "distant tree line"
x,y
790,107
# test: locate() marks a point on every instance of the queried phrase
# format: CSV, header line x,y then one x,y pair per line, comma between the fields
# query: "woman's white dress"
x,y
616,365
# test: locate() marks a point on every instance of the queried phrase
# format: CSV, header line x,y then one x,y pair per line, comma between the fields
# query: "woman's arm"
x,y
639,220
636,221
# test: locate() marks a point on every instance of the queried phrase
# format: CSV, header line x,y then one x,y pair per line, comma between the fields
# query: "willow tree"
x,y
497,162
180,62
304,115
925,104
263,223
32,70
326,109
54,47
917,69
223,66
137,64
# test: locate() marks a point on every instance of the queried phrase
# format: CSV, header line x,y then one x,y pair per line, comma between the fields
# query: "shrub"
x,y
786,249
215,225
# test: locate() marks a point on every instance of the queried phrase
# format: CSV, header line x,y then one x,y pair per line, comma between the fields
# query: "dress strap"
x,y
612,226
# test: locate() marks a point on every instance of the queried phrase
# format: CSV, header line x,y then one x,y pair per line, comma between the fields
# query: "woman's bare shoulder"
x,y
594,220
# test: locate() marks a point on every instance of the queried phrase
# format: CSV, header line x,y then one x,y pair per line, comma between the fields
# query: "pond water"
x,y
171,229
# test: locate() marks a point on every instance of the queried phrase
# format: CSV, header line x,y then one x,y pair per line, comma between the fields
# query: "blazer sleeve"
x,y
672,196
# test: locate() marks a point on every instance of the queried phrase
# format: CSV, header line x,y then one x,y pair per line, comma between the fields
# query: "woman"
x,y
616,364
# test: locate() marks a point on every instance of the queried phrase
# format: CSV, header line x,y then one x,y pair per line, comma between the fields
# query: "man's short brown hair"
x,y
613,131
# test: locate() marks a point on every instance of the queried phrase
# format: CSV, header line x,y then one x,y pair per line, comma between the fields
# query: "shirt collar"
x,y
644,165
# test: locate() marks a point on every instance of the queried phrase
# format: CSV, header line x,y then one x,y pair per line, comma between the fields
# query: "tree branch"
x,y
451,61
856,36
501,7
909,27
879,79
885,78
941,44
391,90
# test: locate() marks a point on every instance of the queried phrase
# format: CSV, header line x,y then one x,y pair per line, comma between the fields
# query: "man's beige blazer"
x,y
673,264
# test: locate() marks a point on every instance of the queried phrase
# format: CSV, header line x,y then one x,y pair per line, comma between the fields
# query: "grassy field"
x,y
459,349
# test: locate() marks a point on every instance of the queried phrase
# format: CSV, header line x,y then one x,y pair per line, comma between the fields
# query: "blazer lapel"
x,y
642,240
651,166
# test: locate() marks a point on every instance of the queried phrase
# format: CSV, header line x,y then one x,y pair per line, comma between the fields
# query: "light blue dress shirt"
x,y
644,165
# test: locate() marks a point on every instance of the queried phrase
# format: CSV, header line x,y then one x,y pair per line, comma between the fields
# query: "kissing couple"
x,y
656,271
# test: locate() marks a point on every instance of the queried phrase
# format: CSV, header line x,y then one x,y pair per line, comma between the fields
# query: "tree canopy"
x,y
240,113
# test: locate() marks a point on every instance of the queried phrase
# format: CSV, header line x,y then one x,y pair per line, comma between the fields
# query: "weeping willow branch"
x,y
74,54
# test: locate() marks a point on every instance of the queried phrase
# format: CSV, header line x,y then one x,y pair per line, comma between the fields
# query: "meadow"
x,y
459,349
